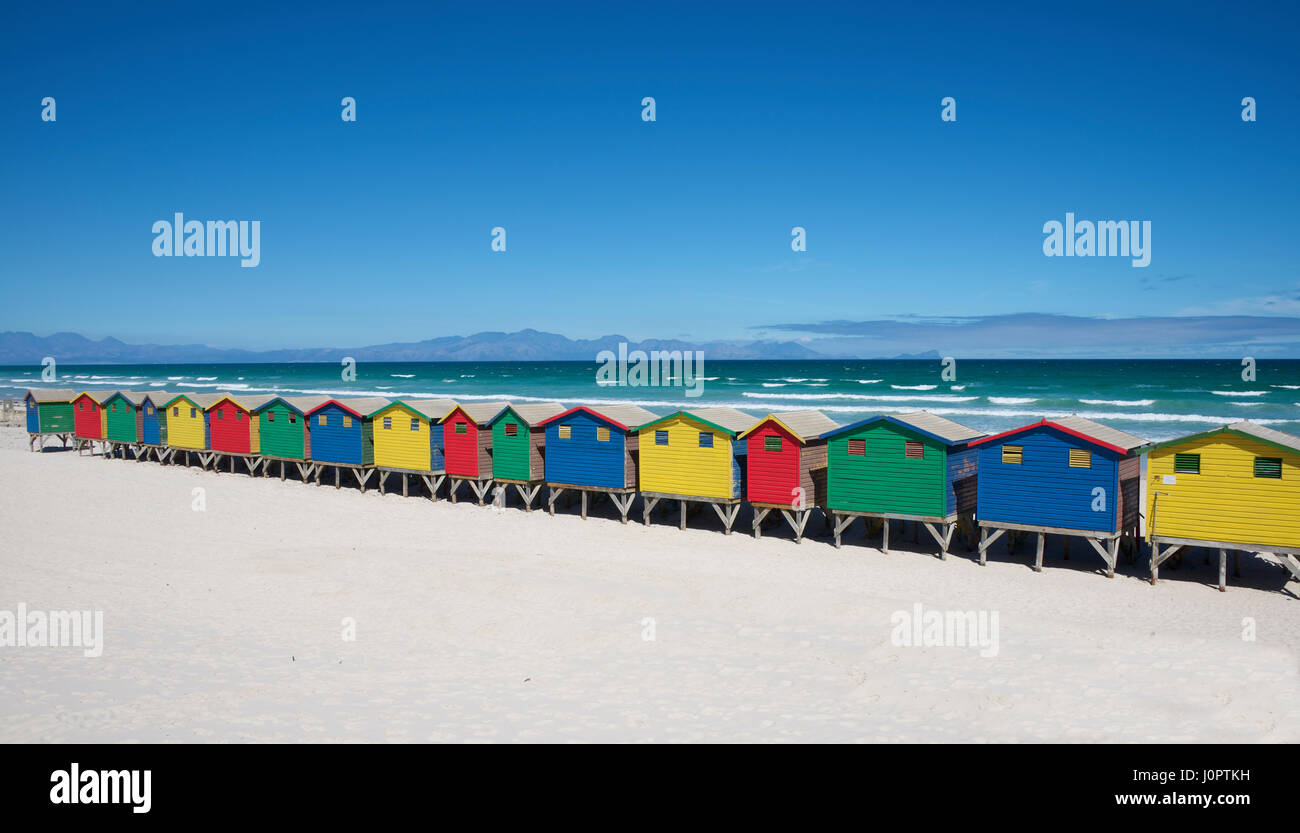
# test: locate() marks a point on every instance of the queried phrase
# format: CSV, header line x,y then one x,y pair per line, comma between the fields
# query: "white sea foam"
x,y
958,387
1286,387
869,381
402,375
1238,392
206,378
1123,403
861,397
914,387
1012,400
774,384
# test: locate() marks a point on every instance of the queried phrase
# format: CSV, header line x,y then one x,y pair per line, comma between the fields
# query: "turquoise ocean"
x,y
1154,399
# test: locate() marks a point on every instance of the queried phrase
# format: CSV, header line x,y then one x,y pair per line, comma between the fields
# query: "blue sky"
x,y
527,116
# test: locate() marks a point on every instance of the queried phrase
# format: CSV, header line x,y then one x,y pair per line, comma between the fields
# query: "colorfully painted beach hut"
x,y
124,422
187,425
153,419
1068,476
88,417
786,467
1233,489
468,444
233,429
408,440
342,436
519,448
282,432
592,450
916,467
49,413
694,457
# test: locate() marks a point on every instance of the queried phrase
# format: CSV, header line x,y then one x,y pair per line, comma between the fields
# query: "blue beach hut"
x,y
591,450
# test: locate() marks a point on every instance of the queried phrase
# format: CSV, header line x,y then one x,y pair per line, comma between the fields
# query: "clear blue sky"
x,y
527,116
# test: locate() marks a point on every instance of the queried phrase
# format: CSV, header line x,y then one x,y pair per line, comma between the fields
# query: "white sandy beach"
x,y
483,625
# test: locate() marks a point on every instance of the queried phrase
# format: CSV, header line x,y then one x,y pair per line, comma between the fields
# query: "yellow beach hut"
x,y
695,457
187,426
1235,488
406,441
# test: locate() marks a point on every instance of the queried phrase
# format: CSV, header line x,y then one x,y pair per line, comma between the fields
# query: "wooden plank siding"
x,y
338,435
1225,501
962,491
282,431
581,459
88,418
683,467
46,416
186,424
883,479
123,423
402,438
230,427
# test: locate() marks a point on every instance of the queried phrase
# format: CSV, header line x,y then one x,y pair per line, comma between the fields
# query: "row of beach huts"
x,y
1235,489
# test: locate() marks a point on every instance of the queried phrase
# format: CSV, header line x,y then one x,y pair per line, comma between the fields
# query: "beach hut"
x,y
1234,489
593,450
233,430
915,467
187,426
124,422
519,448
88,418
468,446
1069,476
786,467
49,414
153,421
342,437
694,457
408,441
282,432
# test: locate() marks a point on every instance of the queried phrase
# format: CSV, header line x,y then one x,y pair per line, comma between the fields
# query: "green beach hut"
x,y
49,413
283,432
519,446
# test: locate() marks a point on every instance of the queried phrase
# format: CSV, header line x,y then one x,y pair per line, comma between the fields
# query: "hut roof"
x,y
1085,429
804,425
359,406
728,420
201,400
626,417
431,409
1280,439
135,397
302,404
480,412
531,414
923,422
100,396
157,397
51,394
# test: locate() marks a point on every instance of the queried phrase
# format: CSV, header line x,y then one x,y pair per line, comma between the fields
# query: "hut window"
x,y
1080,458
661,438
293,420
1268,467
1187,464
566,431
914,450
460,428
857,448
772,443
388,423
270,416
194,413
512,430
221,413
415,425
347,422
320,420
94,408
602,434
148,409
114,408
1013,455
239,416
706,440
81,406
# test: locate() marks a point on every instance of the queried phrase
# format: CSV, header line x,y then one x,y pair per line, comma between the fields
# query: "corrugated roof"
x,y
1097,431
158,397
806,425
945,429
364,405
433,409
1267,434
305,404
135,397
52,394
632,416
729,418
251,401
480,412
531,413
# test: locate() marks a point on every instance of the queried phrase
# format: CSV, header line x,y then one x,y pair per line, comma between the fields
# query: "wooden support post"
x,y
759,514
884,546
405,488
682,504
584,504
1223,571
551,495
1038,557
648,506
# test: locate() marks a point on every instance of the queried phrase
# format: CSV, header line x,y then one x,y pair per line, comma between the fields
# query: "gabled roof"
x,y
430,409
302,404
359,406
922,422
100,396
804,425
480,412
157,397
134,397
1278,439
727,420
531,414
624,417
199,400
40,395
1099,435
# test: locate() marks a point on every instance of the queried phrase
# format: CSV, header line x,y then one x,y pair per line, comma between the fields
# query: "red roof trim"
x,y
329,402
1049,424
584,408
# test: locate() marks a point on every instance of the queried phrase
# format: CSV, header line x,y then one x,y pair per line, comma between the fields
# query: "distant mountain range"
x,y
525,345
